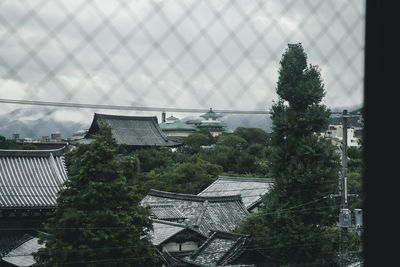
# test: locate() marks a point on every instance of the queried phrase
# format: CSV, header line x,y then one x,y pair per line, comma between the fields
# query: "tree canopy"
x,y
98,220
296,223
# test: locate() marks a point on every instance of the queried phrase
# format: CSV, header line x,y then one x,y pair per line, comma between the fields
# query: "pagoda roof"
x,y
134,131
177,125
172,118
211,115
31,178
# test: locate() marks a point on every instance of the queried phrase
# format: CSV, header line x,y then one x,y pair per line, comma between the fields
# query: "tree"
x,y
297,224
187,177
192,144
98,220
253,135
12,144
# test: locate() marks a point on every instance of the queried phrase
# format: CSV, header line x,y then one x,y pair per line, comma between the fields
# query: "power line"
x,y
135,108
117,107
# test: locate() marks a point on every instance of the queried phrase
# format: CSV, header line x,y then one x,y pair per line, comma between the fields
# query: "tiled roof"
x,y
219,249
31,178
12,238
211,115
177,126
132,130
208,213
167,212
22,255
163,230
250,189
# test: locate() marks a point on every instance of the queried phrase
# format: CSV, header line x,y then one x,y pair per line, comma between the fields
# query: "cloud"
x,y
183,54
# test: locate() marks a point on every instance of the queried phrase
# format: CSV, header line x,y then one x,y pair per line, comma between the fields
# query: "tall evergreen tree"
x,y
98,220
295,226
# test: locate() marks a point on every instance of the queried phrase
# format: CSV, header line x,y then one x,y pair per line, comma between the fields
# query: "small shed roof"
x,y
31,178
137,131
206,212
250,189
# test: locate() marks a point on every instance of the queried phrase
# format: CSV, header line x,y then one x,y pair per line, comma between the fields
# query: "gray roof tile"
x,y
22,255
132,130
208,213
250,189
219,249
31,178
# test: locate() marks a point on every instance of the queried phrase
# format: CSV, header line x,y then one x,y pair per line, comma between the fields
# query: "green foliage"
x,y
193,143
156,157
12,144
296,216
98,220
187,177
253,135
233,141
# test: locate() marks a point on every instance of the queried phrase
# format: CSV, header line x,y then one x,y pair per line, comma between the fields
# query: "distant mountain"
x,y
35,123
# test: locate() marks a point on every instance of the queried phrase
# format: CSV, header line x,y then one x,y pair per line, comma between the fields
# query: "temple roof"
x,y
177,125
205,212
31,178
250,189
167,212
164,230
21,255
211,115
136,131
220,249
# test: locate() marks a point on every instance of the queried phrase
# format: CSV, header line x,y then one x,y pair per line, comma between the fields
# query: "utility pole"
x,y
345,214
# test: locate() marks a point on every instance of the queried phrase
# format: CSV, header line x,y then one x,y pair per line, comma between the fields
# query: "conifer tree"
x,y
297,223
98,220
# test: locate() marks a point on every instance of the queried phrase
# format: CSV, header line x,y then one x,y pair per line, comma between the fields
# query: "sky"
x,y
188,54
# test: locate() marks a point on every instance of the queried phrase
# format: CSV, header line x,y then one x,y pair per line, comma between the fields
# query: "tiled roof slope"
x,y
163,230
250,189
208,213
167,212
22,255
219,249
132,130
31,178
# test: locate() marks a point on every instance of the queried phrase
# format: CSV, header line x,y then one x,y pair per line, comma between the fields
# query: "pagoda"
x,y
211,121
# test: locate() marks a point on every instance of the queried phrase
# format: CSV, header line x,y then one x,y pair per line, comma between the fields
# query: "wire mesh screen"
x,y
183,54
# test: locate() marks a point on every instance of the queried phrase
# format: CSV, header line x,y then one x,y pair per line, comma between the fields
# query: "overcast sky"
x,y
178,54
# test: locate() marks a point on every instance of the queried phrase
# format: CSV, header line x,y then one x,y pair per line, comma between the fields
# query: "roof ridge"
x,y
34,153
182,225
123,116
170,223
183,196
246,179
